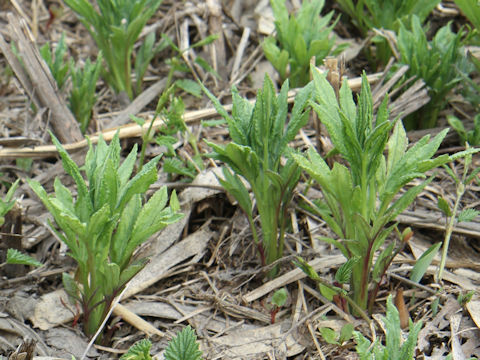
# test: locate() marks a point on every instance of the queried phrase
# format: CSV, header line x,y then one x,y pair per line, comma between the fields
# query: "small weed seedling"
x,y
453,215
333,337
105,223
115,28
184,346
396,348
260,139
298,39
440,63
279,299
359,202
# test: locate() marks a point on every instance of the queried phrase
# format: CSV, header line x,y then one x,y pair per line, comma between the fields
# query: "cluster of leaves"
x,y
82,96
260,137
116,28
395,348
439,62
298,39
359,202
184,346
384,14
105,223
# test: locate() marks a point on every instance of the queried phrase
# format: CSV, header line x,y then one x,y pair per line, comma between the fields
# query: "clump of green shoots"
x,y
56,61
260,136
105,223
82,95
396,346
367,15
359,201
299,38
441,63
116,27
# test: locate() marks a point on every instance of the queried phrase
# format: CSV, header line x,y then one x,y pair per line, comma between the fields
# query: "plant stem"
x,y
451,223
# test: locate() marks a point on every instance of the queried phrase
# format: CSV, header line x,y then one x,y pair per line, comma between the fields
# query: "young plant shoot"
x,y
360,200
298,38
105,223
116,28
260,136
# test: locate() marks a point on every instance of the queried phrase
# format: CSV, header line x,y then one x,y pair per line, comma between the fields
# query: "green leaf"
x,y
139,183
467,215
184,346
16,257
306,268
138,351
329,335
190,87
344,272
206,41
424,262
346,333
444,207
279,298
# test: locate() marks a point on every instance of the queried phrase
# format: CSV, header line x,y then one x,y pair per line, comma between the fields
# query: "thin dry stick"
x,y
134,130
309,324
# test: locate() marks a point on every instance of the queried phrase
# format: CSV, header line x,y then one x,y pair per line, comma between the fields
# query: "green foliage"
x,y
105,223
177,64
184,346
359,202
464,299
144,56
84,80
56,61
335,338
260,137
471,9
279,298
138,351
7,203
384,14
115,28
16,257
440,63
395,348
82,96
424,262
298,39
471,137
